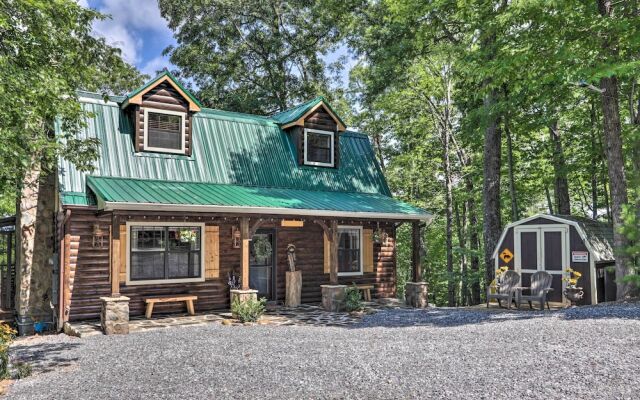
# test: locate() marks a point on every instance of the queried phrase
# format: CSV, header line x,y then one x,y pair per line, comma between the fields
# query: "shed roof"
x,y
597,235
232,149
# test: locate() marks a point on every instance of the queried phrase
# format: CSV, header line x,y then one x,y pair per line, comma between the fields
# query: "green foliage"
x,y
256,56
7,334
249,310
353,299
23,370
46,54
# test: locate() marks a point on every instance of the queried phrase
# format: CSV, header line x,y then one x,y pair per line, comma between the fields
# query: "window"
x,y
164,131
318,148
349,250
161,253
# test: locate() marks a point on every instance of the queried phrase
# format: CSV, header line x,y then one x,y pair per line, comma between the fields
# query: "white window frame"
x,y
359,228
163,281
146,133
319,164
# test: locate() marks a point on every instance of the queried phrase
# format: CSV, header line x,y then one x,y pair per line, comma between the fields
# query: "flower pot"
x,y
573,294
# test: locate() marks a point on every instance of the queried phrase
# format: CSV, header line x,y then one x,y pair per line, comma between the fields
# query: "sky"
x,y
138,30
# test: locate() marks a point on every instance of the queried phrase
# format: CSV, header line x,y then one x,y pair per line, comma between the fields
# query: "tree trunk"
x,y
461,227
492,226
512,183
595,157
548,196
617,181
446,161
561,183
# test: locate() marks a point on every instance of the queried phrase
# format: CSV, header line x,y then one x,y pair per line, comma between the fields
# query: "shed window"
x,y
349,250
318,148
160,254
164,131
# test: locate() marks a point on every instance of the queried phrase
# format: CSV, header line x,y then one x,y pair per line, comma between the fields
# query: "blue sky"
x,y
136,28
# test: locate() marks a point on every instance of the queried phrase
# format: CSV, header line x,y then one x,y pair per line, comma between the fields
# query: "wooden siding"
x,y
161,97
89,278
320,120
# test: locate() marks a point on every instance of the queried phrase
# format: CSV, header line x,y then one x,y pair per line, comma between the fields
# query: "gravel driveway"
x,y
586,353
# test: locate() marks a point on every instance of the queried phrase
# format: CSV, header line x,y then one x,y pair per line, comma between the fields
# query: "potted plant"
x,y
572,291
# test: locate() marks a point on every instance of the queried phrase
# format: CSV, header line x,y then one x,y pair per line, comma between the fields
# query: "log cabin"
x,y
180,195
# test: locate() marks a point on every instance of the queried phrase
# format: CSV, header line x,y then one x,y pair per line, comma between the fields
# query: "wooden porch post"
x,y
333,253
244,255
415,252
115,257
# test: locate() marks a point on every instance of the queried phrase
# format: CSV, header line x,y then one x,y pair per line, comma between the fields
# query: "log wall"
x,y
320,120
87,271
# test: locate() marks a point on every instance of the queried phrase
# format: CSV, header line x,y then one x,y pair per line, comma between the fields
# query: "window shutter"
x,y
367,255
123,254
212,252
326,253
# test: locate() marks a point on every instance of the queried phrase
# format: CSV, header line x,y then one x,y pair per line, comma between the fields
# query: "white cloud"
x,y
118,36
154,65
140,14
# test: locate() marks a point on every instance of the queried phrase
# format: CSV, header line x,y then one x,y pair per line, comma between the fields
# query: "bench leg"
x,y
149,310
190,308
367,295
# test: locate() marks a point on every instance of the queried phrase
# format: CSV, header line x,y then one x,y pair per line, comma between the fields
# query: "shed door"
x,y
542,248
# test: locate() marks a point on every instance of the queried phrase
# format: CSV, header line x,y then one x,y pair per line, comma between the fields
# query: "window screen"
x,y
349,250
165,252
319,147
164,131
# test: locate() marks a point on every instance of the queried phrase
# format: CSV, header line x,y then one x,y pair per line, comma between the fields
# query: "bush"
x,y
353,299
6,337
23,370
250,310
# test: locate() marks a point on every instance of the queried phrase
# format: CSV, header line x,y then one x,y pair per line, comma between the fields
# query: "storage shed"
x,y
554,242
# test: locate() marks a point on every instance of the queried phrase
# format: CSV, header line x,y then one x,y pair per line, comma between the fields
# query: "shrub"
x,y
249,310
23,370
7,334
353,299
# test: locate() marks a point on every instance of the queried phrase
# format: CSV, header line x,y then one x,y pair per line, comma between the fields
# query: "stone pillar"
x,y
35,231
415,294
244,253
114,317
242,295
293,288
333,297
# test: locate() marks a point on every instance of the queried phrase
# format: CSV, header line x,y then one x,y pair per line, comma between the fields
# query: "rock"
x,y
114,317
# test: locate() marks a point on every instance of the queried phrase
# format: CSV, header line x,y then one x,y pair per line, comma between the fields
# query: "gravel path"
x,y
586,353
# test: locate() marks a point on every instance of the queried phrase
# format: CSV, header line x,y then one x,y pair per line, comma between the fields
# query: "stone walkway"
x,y
305,315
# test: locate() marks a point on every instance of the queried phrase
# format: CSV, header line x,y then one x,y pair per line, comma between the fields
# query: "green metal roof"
x,y
229,149
295,113
160,76
115,193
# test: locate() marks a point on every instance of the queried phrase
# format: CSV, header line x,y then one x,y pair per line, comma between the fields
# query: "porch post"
x,y
416,291
114,313
244,253
115,257
333,253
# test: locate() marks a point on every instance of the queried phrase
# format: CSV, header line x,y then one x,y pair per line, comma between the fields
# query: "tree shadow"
x,y
44,356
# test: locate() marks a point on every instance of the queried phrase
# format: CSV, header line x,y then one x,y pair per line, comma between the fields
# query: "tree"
x,y
255,56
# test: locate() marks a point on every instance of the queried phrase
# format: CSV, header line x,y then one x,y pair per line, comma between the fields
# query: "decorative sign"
x,y
506,255
580,256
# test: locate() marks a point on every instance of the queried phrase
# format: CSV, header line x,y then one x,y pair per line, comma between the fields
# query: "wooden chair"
x,y
540,287
505,289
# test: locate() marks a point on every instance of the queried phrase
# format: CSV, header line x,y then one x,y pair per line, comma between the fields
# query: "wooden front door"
x,y
262,265
542,248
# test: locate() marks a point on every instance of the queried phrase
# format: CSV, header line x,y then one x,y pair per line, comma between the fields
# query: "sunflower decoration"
x,y
572,277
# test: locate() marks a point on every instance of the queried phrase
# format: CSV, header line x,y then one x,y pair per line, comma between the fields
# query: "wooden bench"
x,y
366,291
187,298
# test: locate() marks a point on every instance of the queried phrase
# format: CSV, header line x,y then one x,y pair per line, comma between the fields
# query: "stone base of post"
x,y
114,317
25,325
243,295
333,297
415,294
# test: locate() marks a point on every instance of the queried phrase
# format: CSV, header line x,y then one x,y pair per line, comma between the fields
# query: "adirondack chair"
x,y
540,287
505,289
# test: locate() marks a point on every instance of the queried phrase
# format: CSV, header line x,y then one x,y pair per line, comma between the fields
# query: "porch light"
x,y
98,236
235,235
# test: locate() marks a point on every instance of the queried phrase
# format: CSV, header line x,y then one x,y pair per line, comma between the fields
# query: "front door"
x,y
542,248
261,263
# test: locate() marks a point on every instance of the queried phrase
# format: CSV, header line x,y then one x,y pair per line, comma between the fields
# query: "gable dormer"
x,y
162,112
314,129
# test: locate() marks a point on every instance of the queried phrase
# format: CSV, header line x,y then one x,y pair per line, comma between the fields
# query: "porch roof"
x,y
158,195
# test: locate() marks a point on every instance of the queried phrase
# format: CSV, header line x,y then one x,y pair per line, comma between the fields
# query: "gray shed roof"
x,y
598,234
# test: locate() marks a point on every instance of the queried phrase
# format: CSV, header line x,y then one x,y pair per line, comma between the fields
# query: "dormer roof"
x,y
295,116
135,97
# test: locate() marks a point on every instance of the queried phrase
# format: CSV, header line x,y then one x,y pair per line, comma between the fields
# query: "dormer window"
x,y
318,148
164,131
